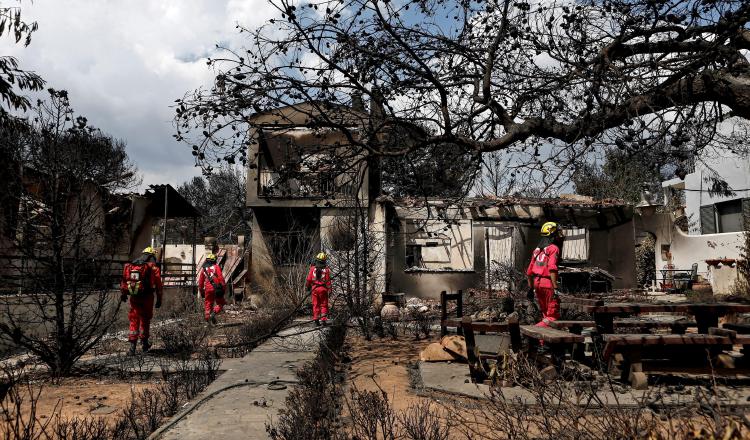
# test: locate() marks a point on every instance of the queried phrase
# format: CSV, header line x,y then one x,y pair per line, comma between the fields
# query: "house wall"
x,y
734,169
429,284
611,247
687,249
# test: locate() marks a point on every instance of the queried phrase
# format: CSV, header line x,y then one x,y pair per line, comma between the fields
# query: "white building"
x,y
712,224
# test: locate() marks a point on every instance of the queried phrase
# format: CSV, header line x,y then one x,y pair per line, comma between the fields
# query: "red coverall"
x,y
142,305
544,261
211,300
321,287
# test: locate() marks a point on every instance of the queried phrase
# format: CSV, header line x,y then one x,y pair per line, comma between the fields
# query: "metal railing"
x,y
307,185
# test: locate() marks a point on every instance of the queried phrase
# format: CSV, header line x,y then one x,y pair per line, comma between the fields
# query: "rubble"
x,y
455,345
435,353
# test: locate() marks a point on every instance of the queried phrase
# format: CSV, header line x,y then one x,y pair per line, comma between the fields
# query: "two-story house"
x,y
302,177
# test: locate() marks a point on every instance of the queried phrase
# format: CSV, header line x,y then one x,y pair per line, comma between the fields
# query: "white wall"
x,y
184,252
734,169
688,249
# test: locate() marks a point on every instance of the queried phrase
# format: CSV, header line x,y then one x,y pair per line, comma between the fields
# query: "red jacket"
x,y
324,282
543,261
153,282
208,274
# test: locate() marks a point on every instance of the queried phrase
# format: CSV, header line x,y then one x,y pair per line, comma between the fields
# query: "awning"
x,y
177,206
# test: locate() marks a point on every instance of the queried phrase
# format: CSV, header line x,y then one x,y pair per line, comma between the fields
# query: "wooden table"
x,y
706,314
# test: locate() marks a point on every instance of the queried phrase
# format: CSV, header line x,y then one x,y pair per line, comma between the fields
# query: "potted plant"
x,y
713,261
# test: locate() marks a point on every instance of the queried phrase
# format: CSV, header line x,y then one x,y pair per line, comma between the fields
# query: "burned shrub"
x,y
420,321
244,338
183,337
81,429
372,415
421,422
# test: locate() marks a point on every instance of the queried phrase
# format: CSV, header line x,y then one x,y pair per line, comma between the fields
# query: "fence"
x,y
306,184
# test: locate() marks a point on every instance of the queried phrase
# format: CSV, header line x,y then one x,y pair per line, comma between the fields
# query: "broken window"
x,y
437,245
297,163
576,246
414,256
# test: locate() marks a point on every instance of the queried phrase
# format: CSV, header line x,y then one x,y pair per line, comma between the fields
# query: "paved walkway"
x,y
249,394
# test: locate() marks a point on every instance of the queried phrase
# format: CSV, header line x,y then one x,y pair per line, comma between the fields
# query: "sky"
x,y
124,62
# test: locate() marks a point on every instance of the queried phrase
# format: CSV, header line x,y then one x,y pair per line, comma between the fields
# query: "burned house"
x,y
104,229
311,189
302,181
487,243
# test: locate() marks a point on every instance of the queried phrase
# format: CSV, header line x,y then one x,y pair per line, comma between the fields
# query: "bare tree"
x,y
356,251
60,233
550,82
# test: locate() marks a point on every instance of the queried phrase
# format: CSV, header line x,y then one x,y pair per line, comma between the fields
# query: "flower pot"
x,y
390,312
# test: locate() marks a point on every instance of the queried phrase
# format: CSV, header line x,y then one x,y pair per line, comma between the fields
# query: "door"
x,y
500,256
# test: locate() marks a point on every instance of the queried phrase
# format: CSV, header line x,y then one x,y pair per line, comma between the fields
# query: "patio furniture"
x,y
706,314
675,352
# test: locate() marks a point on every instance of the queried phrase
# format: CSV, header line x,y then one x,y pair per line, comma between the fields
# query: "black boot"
x,y
317,322
146,346
133,344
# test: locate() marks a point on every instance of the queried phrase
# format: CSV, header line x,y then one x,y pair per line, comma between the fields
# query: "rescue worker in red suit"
x,y
542,273
141,282
211,285
319,280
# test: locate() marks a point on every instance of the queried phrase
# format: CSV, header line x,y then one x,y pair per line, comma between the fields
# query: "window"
x,y
436,245
576,245
727,216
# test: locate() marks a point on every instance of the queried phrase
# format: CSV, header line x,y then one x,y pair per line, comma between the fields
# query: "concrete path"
x,y
249,394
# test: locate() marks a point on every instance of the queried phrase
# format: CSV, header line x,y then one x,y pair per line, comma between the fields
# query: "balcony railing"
x,y
307,185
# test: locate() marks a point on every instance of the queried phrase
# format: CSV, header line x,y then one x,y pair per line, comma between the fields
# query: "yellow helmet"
x,y
211,257
149,250
549,228
321,256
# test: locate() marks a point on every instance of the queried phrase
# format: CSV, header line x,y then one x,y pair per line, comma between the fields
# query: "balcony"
x,y
307,185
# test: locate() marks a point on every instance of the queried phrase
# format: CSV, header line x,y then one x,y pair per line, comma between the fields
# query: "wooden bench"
x,y
479,367
739,328
626,352
677,327
557,341
572,326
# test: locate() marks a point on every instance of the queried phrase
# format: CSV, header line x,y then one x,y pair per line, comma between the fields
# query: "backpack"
x,y
137,278
218,287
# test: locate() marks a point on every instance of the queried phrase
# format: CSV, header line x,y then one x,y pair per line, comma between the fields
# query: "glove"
x,y
158,303
124,298
530,294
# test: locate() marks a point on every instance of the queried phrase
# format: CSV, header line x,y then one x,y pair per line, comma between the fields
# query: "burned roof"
x,y
176,205
599,214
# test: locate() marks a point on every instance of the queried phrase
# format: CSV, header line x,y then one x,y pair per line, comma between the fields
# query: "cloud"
x,y
124,63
